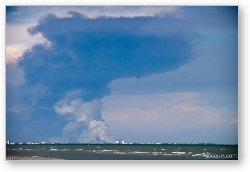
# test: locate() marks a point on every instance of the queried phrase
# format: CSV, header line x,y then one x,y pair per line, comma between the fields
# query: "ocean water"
x,y
125,152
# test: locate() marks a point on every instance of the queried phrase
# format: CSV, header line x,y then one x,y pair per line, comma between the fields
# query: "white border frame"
x,y
244,83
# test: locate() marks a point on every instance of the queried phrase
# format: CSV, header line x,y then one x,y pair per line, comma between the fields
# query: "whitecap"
x,y
109,150
179,153
121,153
140,152
64,150
197,155
167,154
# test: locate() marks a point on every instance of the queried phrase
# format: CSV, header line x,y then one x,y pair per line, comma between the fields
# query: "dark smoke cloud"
x,y
87,54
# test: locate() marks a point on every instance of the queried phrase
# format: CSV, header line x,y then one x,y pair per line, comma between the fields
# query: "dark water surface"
x,y
125,152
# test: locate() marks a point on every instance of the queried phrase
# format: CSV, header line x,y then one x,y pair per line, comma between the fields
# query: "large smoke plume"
x,y
85,55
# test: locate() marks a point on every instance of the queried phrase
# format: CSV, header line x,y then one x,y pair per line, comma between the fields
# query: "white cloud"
x,y
167,110
32,14
17,34
183,117
14,52
139,11
18,40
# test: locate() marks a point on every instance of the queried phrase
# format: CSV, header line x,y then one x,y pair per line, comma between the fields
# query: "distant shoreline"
x,y
10,158
167,144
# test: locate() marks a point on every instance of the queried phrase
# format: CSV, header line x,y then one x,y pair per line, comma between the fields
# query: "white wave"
x,y
197,154
109,150
167,154
64,150
179,153
141,152
120,153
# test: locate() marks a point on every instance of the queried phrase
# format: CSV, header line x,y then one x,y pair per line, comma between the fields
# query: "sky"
x,y
143,74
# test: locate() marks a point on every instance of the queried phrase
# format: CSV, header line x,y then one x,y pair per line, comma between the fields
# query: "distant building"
x,y
117,142
123,142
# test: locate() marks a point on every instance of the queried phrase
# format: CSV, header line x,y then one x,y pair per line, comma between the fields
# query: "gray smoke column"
x,y
85,121
88,54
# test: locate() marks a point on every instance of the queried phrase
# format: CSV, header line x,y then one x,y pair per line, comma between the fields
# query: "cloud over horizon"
x,y
88,54
68,64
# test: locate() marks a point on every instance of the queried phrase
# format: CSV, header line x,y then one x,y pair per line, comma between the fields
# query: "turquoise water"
x,y
125,152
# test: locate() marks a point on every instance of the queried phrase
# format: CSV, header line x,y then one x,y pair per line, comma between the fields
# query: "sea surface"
x,y
125,152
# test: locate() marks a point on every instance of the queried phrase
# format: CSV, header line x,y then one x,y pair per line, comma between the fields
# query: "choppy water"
x,y
125,152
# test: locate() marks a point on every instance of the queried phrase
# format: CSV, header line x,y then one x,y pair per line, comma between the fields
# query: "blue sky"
x,y
140,74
